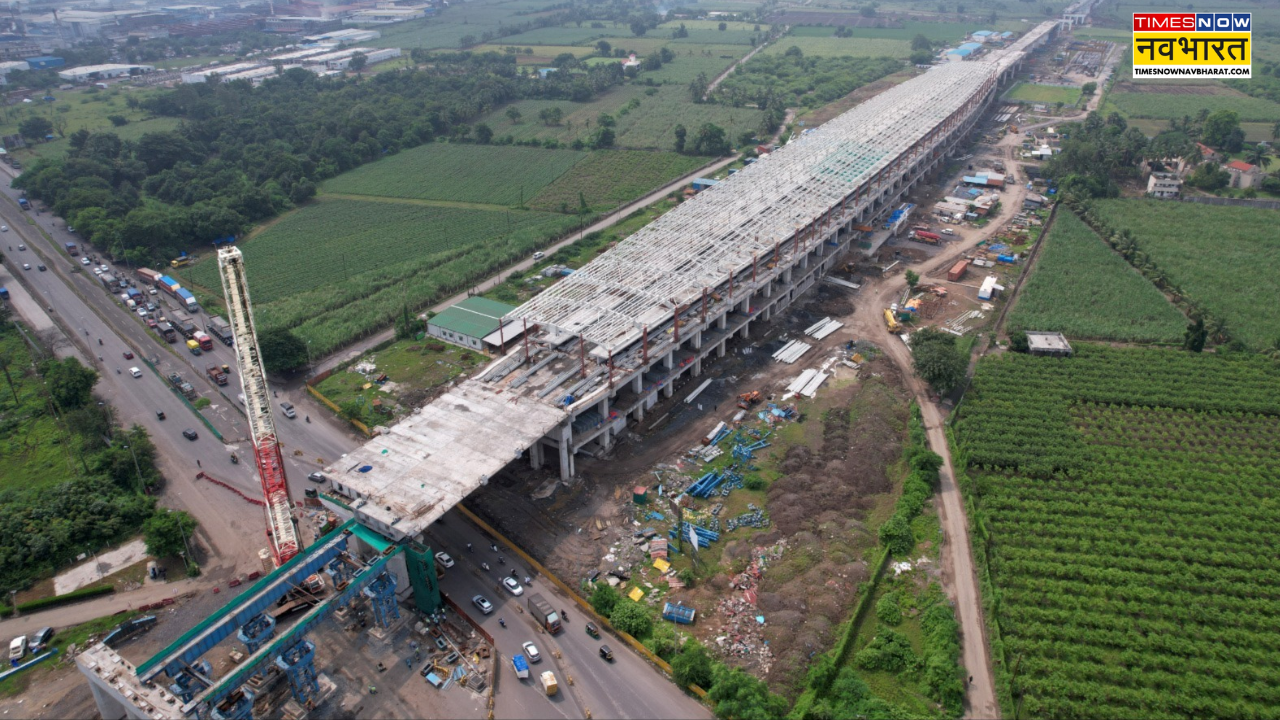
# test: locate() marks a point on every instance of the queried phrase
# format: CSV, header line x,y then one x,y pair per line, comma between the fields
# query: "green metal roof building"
x,y
469,322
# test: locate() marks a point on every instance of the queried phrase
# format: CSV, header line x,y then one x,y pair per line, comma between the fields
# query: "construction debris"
x,y
792,351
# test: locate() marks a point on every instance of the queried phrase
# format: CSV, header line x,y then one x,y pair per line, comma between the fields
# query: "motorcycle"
x,y
485,566
493,547
117,371
235,460
502,560
308,418
528,580
502,622
99,341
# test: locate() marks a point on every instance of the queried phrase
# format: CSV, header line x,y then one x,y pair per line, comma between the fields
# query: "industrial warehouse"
x,y
594,353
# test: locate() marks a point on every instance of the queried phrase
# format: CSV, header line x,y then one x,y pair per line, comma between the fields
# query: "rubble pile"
x,y
742,630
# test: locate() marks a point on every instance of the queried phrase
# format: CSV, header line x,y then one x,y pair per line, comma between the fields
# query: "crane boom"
x,y
253,379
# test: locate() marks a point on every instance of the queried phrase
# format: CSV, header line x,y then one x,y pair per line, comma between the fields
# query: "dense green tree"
x,y
632,618
920,42
936,359
282,351
1222,130
70,384
681,133
692,666
604,598
735,695
166,531
35,127
710,141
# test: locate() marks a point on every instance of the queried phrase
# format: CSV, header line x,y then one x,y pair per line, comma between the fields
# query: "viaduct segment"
x,y
598,349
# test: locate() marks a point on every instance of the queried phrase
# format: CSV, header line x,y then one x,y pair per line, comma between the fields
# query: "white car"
x,y
483,603
97,271
531,652
84,261
444,559
151,291
512,586
4,228
142,312
26,266
135,372
948,231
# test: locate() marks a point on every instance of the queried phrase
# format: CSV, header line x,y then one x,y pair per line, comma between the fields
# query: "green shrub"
x,y
888,609
74,596
632,618
604,599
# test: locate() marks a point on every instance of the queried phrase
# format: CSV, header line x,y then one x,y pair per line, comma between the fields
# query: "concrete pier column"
x,y
108,706
722,321
566,452
669,360
697,340
745,332
637,383
536,455
697,366
668,389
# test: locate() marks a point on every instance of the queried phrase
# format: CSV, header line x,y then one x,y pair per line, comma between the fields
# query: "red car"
x,y
151,322
128,355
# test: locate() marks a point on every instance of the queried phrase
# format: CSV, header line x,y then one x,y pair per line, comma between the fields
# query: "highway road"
x,y
628,687
233,529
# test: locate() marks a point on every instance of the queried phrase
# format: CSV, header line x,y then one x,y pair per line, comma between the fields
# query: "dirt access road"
x,y
957,556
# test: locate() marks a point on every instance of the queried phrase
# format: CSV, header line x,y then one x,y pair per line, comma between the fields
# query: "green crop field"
x,y
609,178
497,175
1174,101
84,109
710,60
1082,288
1225,258
459,20
1048,94
649,126
338,269
839,47
1125,515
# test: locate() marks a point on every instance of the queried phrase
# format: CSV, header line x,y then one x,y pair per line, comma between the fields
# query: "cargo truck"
x,y
521,666
544,614
183,260
169,285
167,332
215,374
187,299
926,236
206,342
72,250
22,203
108,281
549,683
220,329
194,347
149,275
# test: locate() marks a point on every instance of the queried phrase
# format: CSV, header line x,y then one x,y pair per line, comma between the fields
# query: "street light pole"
x,y
141,484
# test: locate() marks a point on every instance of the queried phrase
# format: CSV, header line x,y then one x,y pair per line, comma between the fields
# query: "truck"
x,y
169,285
109,281
544,614
4,293
220,329
549,683
929,237
134,295
183,323
22,203
72,250
521,666
149,276
166,331
187,299
182,386
206,342
17,649
215,374
182,260
194,347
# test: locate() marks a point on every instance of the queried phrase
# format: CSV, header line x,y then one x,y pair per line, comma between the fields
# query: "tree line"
x,y
244,154
95,475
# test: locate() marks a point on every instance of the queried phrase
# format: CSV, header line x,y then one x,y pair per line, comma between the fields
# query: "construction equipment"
x,y
285,542
748,399
891,321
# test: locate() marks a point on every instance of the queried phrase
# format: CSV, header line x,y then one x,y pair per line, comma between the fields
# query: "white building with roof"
x,y
86,73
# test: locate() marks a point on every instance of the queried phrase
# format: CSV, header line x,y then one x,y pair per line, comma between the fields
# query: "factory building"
x,y
89,73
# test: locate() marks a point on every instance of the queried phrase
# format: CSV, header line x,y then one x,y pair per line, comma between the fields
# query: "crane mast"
x,y
257,396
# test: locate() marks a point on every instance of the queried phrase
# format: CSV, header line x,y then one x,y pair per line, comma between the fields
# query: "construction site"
x,y
745,278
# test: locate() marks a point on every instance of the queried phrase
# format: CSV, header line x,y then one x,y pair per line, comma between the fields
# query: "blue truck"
x,y
521,667
4,293
187,299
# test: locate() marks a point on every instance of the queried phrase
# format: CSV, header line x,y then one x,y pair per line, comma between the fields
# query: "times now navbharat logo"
x,y
1193,45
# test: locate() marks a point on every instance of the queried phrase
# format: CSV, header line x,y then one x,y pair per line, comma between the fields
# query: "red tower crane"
x,y
257,400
